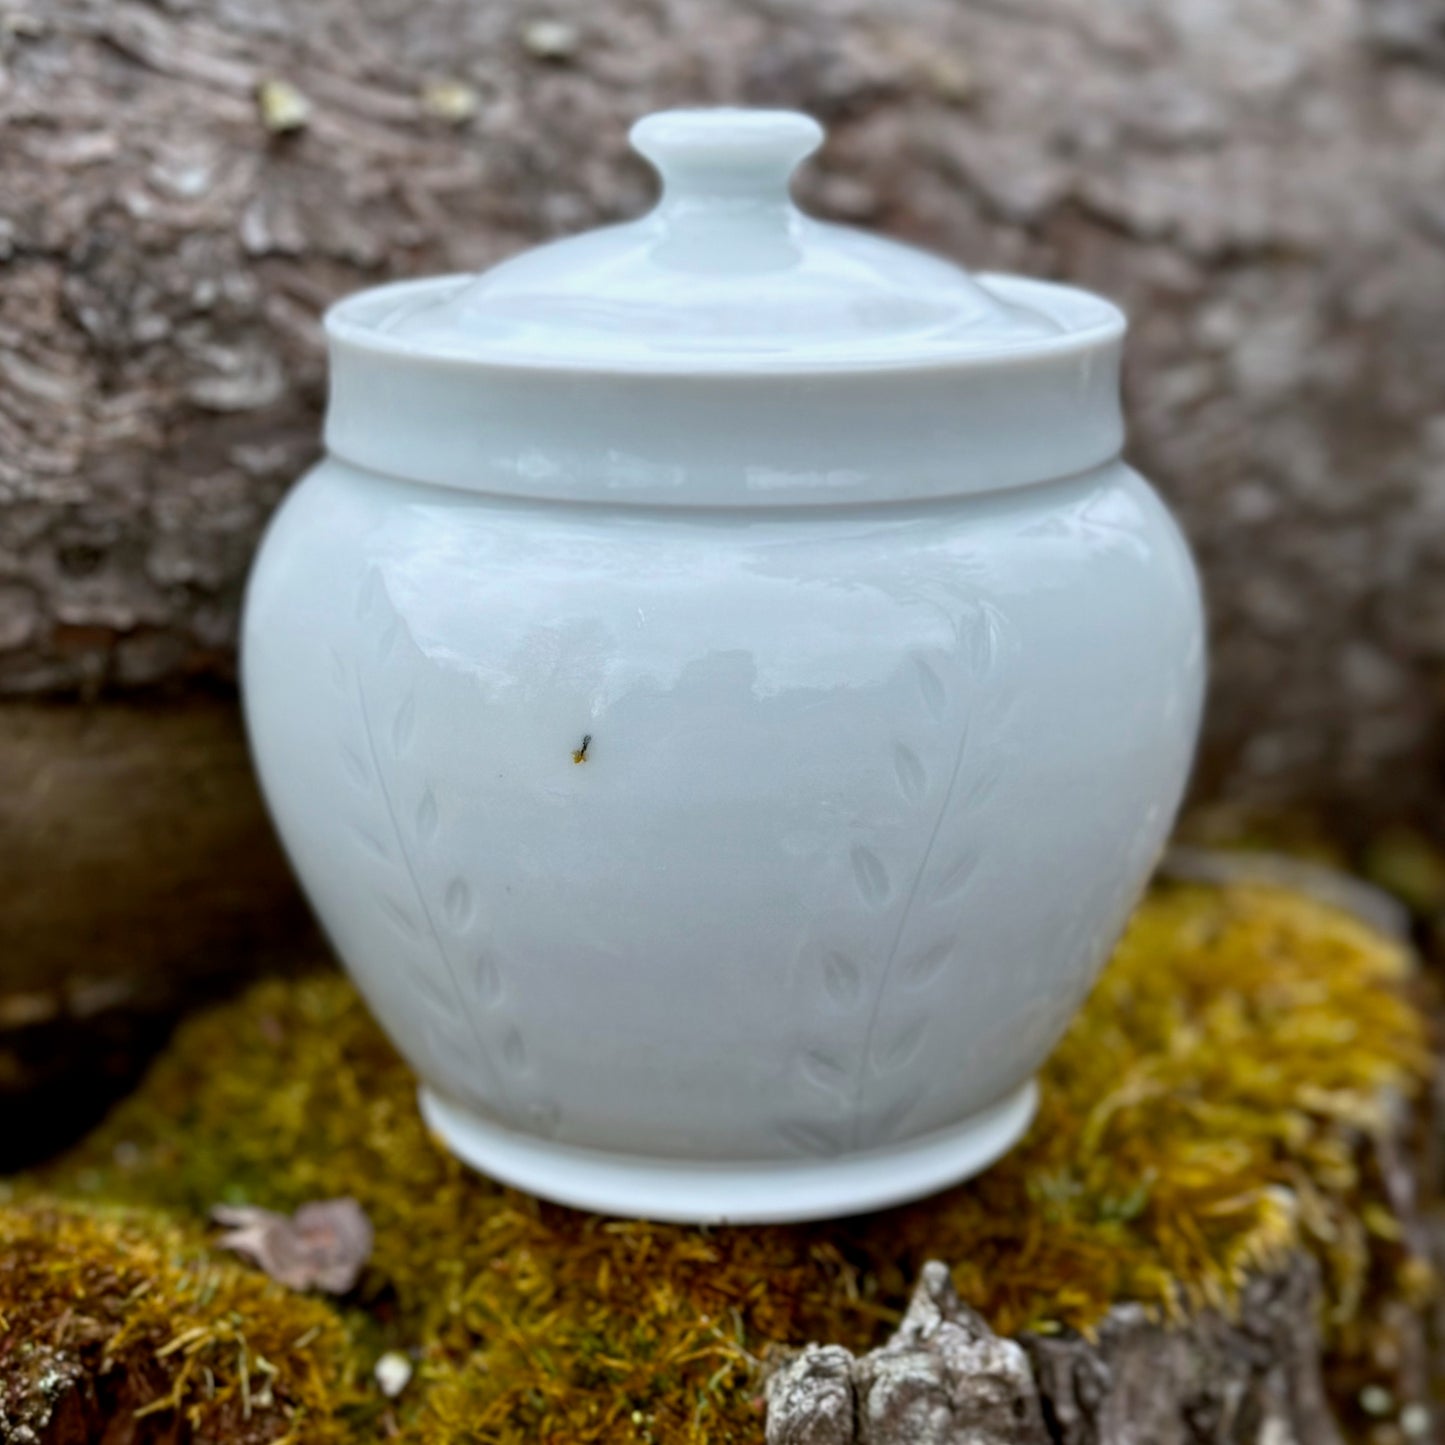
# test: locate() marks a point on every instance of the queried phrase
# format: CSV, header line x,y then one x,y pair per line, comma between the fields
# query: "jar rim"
x,y
1086,321
709,438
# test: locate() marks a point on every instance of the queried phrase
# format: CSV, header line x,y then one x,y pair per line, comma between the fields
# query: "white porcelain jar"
x,y
723,693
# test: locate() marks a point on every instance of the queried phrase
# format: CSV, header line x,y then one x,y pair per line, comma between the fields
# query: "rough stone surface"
x,y
943,1379
812,1399
946,1379
184,185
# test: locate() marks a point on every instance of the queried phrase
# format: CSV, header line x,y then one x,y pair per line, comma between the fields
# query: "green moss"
x,y
1212,1107
1411,866
159,1327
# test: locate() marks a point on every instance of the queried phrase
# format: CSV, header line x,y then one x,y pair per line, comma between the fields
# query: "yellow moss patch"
x,y
158,1327
1213,1106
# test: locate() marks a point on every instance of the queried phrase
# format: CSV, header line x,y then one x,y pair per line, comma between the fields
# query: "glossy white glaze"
x,y
681,436
709,1191
869,794
888,673
725,275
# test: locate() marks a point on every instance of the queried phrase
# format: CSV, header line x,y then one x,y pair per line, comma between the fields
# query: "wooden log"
x,y
141,878
184,187
947,1379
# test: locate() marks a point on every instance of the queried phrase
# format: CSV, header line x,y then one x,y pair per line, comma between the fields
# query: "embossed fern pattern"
x,y
400,829
872,1080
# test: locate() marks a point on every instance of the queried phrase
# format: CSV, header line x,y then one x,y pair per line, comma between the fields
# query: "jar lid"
x,y
725,273
725,345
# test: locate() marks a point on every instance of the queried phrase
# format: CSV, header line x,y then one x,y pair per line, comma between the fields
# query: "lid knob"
x,y
726,153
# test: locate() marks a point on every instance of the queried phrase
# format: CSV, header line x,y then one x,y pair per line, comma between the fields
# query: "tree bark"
x,y
185,184
946,1379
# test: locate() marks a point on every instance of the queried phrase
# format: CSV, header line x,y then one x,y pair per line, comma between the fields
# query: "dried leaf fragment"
x,y
324,1245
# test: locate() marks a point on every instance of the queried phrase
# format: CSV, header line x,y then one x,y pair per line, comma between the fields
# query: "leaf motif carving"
x,y
371,843
981,789
426,817
823,1072
457,902
401,916
403,726
984,637
514,1051
489,981
438,999
841,978
387,639
887,1124
450,986
948,863
935,698
924,967
871,877
898,1051
955,877
338,670
912,779
355,766
813,1139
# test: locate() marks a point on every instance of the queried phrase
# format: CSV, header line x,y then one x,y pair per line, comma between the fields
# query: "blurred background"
x,y
186,184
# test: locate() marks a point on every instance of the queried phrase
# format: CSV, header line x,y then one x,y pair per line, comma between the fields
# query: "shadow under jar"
x,y
723,693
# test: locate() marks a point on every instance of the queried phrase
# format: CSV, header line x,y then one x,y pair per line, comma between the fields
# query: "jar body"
x,y
868,795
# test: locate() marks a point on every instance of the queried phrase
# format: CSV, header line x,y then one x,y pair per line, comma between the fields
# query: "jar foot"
x,y
771,1191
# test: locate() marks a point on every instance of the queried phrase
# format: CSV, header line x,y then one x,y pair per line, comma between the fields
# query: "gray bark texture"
x,y
946,1379
943,1379
185,184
